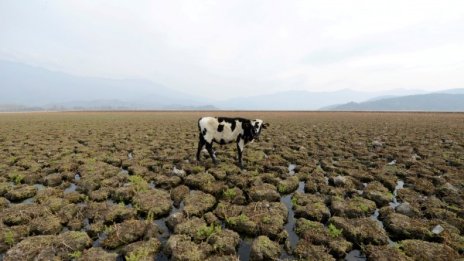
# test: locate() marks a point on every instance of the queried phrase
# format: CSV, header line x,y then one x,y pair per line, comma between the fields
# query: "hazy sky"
x,y
239,48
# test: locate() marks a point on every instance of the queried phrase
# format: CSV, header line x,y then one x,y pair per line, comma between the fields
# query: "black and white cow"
x,y
224,130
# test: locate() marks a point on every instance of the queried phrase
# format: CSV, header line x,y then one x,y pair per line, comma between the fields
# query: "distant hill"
x,y
33,87
453,91
99,106
423,102
14,107
304,100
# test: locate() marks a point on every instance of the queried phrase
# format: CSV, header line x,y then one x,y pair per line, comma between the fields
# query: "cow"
x,y
223,130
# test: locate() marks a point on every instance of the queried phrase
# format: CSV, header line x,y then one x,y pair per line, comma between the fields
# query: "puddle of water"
x,y
101,236
291,169
28,201
375,217
355,255
161,223
290,225
65,229
151,184
326,179
161,256
244,248
399,185
393,204
292,236
77,177
39,187
86,224
301,186
72,187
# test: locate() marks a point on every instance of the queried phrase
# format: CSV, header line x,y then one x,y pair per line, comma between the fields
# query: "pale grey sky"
x,y
222,49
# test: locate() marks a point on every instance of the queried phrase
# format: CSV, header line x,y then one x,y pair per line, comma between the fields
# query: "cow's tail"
x,y
199,127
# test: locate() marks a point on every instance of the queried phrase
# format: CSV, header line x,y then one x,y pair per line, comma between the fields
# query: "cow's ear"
x,y
265,125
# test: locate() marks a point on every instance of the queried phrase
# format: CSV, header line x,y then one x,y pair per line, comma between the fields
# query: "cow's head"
x,y
257,126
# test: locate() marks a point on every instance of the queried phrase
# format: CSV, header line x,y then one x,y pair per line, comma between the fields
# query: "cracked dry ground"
x,y
317,186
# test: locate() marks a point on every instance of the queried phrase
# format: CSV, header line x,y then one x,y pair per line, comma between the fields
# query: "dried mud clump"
x,y
5,187
49,247
307,251
21,192
46,225
385,253
142,250
224,241
422,250
53,179
98,253
404,227
155,201
129,231
178,194
316,233
118,213
205,182
257,218
264,249
234,195
193,227
310,206
4,203
12,235
264,191
360,230
180,247
197,203
288,185
376,192
22,214
352,207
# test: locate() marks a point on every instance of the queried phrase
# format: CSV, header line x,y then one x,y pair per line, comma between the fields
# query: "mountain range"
x,y
30,88
452,102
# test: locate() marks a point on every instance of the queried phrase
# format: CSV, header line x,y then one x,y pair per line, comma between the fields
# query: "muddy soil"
x,y
317,186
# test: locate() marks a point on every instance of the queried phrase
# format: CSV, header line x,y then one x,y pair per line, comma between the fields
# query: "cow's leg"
x,y
209,148
240,145
201,143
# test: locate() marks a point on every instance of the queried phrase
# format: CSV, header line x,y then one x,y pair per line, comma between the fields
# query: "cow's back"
x,y
221,130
